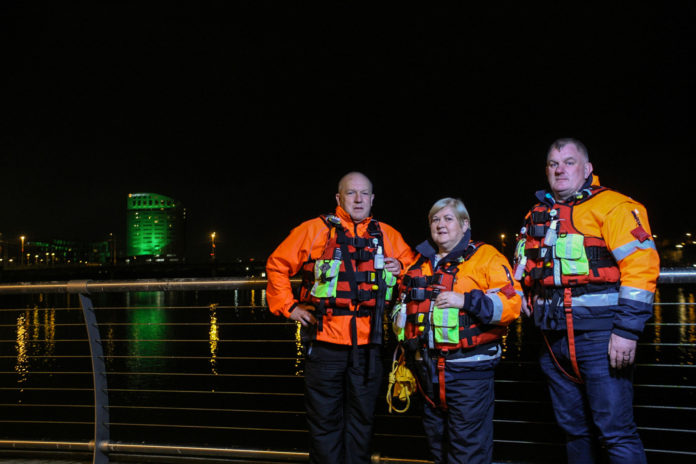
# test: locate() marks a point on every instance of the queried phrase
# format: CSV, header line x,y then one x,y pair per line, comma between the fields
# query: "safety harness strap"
x,y
353,286
441,381
568,308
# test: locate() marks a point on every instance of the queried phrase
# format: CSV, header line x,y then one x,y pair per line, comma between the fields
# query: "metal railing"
x,y
202,369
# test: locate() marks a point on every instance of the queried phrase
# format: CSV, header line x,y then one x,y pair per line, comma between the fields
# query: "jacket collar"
x,y
429,250
546,196
345,217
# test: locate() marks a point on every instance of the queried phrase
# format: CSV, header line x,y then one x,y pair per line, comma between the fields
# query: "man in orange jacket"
x,y
349,263
589,267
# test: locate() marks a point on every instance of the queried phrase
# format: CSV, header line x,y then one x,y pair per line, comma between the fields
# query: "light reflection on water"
x,y
657,319
213,338
148,318
149,324
22,348
299,370
35,340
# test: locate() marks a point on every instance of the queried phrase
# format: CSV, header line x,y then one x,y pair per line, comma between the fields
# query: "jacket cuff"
x,y
625,333
467,301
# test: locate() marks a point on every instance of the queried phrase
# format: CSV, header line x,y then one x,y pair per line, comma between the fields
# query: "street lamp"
x,y
212,246
502,242
21,259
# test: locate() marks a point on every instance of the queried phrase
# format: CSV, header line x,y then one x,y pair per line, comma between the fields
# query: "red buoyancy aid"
x,y
349,278
419,291
556,254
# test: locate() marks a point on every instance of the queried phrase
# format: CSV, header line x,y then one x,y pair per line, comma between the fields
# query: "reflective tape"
x,y
591,300
631,247
478,357
497,307
557,273
636,294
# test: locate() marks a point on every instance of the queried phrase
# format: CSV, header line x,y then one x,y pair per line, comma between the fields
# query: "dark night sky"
x,y
249,113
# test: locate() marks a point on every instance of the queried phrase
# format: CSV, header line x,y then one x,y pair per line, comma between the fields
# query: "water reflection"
x,y
691,319
213,338
298,350
657,319
22,348
681,312
49,333
35,337
147,335
144,332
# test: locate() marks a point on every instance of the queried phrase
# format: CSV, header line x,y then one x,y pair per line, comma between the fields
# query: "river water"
x,y
217,369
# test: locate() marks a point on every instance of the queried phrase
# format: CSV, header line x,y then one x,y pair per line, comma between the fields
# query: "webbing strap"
x,y
568,308
353,285
441,381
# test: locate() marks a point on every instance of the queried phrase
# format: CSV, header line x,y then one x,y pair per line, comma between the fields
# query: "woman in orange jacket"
x,y
457,301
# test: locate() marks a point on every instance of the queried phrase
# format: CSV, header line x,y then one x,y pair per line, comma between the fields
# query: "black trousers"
x,y
341,389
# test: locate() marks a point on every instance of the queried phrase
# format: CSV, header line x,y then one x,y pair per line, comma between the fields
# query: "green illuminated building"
x,y
155,227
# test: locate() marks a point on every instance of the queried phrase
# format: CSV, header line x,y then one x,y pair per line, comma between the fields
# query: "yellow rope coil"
x,y
401,382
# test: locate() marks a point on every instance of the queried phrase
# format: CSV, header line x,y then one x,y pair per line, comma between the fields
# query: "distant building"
x,y
155,228
57,251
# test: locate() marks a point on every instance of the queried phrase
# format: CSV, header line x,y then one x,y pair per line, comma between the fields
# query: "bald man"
x,y
349,263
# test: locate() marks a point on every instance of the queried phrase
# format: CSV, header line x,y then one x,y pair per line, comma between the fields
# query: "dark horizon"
x,y
249,114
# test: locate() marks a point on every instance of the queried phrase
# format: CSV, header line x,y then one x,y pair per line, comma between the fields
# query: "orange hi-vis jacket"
x,y
492,298
612,278
308,243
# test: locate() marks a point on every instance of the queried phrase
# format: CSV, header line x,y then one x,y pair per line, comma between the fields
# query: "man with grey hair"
x,y
589,268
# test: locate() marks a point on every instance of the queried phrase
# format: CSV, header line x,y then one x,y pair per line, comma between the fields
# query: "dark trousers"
x,y
340,398
603,403
464,432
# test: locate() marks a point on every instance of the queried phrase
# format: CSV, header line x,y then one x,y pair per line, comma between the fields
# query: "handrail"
x,y
667,276
141,285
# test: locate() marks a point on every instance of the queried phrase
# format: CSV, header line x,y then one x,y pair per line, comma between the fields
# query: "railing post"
x,y
101,395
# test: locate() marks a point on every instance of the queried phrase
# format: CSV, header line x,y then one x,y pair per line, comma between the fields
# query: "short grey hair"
x,y
457,205
560,143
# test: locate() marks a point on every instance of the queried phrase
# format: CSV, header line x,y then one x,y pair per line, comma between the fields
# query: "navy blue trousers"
x,y
340,399
463,434
598,411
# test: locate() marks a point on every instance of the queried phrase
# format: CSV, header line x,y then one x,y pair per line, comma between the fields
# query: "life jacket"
x,y
431,332
443,329
348,278
553,253
558,261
